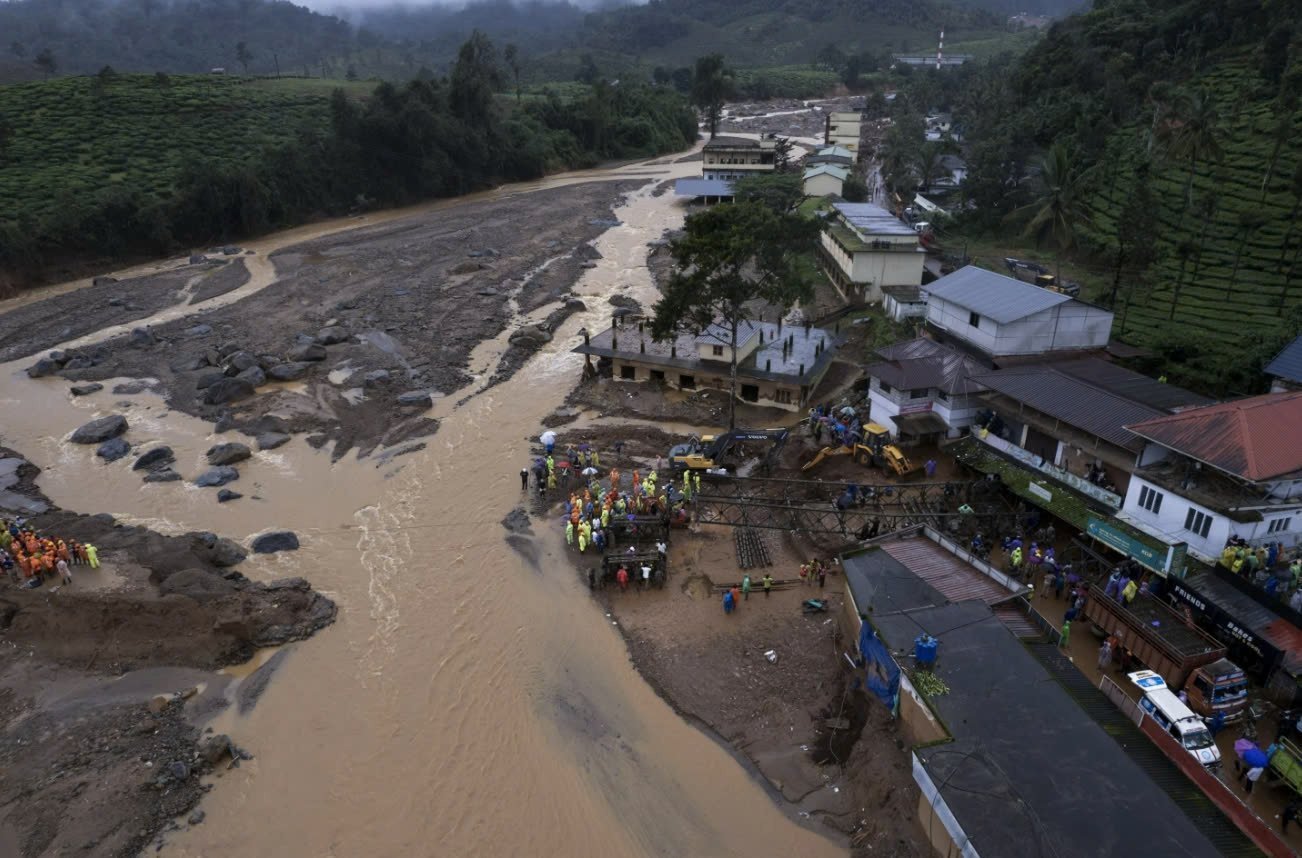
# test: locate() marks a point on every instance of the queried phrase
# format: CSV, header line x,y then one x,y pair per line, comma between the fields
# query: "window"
x,y
628,373
658,375
974,320
886,388
782,396
1279,525
942,396
717,351
1197,522
1150,500
687,382
920,393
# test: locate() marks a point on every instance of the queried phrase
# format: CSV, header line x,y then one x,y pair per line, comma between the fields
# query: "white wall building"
x,y
1003,317
921,389
865,248
843,128
824,180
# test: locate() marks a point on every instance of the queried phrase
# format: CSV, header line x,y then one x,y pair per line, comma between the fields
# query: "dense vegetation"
x,y
124,165
1153,142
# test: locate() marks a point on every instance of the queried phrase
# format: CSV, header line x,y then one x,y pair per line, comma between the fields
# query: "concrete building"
x,y
824,180
904,302
1285,370
730,158
1000,317
778,366
843,128
865,248
1230,469
922,390
837,155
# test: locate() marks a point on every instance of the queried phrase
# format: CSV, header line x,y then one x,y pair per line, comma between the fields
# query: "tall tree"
x,y
243,56
1295,188
1248,224
1195,135
511,54
779,192
1134,232
1056,216
474,79
46,62
728,258
712,85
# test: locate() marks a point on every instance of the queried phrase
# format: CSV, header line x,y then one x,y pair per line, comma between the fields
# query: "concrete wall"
x,y
1168,522
901,310
1072,325
788,397
874,269
958,413
822,185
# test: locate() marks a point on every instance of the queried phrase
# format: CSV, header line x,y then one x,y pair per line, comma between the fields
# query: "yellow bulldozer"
x,y
876,450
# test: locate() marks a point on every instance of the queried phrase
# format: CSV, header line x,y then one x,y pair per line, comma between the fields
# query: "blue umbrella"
x,y
1255,758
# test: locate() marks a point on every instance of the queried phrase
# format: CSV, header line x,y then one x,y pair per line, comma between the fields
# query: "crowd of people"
x,y
1267,566
28,558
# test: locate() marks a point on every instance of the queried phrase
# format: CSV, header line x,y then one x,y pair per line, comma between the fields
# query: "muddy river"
x,y
467,701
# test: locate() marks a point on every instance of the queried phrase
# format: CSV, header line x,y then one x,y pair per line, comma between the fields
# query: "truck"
x,y
1286,763
710,452
1037,275
1184,655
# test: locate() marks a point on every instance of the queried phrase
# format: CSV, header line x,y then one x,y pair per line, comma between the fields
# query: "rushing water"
x,y
467,702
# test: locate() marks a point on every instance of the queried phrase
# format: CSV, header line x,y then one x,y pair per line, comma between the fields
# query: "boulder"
x,y
219,476
131,388
224,423
100,430
198,331
197,817
141,337
375,378
113,449
230,250
227,390
254,376
215,749
42,368
575,305
208,378
103,280
277,540
197,259
159,702
306,352
228,348
178,770
79,362
219,550
86,389
163,475
416,398
151,459
237,362
228,454
196,584
59,357
532,335
332,336
317,440
289,371
272,440
228,495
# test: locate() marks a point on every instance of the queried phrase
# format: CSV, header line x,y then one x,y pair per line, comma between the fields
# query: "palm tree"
x,y
1193,134
1295,187
1056,216
1249,223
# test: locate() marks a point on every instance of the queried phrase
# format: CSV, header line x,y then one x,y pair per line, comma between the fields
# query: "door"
x,y
750,392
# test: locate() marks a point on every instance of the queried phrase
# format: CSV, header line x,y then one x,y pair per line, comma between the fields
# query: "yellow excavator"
x,y
876,449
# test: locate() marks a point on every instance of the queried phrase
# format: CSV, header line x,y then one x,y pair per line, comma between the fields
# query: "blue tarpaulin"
x,y
881,673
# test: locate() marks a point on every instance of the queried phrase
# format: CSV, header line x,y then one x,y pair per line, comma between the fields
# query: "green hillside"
x,y
75,138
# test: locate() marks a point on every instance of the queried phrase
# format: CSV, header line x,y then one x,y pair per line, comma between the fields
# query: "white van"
x,y
1176,718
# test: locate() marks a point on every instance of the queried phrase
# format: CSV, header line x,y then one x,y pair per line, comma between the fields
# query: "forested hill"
x,y
1159,142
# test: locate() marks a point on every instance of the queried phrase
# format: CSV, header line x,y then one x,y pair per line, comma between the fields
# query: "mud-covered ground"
x,y
835,756
39,325
794,119
405,304
100,680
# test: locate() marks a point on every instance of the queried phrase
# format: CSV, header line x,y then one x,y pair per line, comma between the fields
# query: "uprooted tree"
x,y
730,259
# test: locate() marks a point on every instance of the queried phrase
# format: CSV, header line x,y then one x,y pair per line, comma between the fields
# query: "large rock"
x,y
239,361
214,477
151,459
272,440
100,430
208,378
254,376
163,475
196,584
86,389
416,398
375,378
228,454
141,337
219,550
43,367
227,390
79,362
113,449
332,336
198,330
277,540
532,335
227,495
306,352
289,371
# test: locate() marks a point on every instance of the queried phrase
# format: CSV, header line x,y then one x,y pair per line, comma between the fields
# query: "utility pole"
x,y
940,48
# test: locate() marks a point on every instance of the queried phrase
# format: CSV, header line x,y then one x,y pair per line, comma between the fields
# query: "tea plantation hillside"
x,y
1226,271
74,139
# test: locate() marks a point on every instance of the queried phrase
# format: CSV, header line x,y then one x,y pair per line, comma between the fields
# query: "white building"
x,y
866,248
732,158
843,128
904,302
1003,317
824,180
922,390
1231,469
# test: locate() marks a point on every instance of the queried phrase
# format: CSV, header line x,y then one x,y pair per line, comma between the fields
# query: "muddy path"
x,y
467,701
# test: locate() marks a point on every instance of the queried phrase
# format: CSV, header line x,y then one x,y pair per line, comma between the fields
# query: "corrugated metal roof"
x,y
921,362
868,219
1288,363
836,151
702,188
1131,385
994,295
1258,438
954,579
1072,401
841,173
1285,636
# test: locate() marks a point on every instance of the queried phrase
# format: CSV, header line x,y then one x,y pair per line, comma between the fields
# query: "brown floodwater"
x,y
468,702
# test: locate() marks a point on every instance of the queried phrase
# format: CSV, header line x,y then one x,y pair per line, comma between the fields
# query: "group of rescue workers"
x,y
27,558
1268,567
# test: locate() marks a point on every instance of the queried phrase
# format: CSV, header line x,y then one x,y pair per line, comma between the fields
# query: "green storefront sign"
x,y
1127,545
